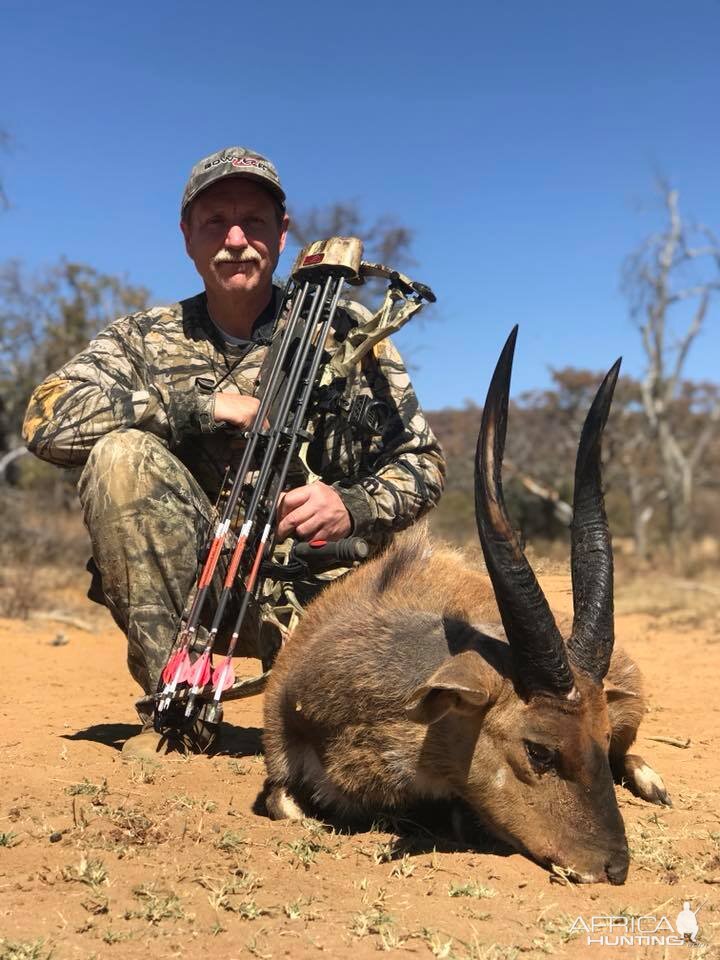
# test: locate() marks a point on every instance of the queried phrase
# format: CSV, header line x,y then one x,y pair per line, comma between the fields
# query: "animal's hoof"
x,y
648,785
281,806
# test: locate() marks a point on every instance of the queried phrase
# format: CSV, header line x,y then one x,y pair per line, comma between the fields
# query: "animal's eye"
x,y
542,758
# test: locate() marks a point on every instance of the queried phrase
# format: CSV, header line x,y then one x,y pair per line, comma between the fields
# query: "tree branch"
x,y
686,342
9,457
706,435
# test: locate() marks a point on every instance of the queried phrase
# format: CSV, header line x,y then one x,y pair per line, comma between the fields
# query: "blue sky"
x,y
518,140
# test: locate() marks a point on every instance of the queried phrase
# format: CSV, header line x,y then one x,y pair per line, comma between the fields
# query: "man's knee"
x,y
125,466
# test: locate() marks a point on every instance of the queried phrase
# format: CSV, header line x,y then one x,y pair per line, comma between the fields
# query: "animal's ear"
x,y
464,683
614,693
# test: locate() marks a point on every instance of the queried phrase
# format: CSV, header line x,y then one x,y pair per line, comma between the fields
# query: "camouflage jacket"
x,y
141,372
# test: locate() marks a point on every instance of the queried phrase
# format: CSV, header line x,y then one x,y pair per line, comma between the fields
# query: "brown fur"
x,y
398,685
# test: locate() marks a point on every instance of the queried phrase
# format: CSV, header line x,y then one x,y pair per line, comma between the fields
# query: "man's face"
x,y
234,237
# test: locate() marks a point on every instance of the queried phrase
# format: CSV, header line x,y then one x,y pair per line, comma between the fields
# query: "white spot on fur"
x,y
499,778
285,806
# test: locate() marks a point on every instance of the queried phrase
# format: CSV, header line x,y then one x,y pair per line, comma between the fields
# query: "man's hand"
x,y
313,512
236,409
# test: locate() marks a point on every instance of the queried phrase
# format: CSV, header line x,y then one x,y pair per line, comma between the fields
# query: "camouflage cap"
x,y
232,162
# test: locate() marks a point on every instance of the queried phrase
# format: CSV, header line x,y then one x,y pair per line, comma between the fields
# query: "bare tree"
x,y
632,466
46,320
674,274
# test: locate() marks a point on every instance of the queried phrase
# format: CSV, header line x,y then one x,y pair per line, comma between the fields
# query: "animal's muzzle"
x,y
616,869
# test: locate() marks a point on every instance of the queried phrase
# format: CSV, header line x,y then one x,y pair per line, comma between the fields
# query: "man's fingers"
x,y
290,522
292,499
311,529
237,410
314,511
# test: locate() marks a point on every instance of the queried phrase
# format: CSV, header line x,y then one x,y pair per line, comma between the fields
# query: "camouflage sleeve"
x,y
409,469
109,386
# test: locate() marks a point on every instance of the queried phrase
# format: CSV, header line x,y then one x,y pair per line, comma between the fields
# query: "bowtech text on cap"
x,y
232,162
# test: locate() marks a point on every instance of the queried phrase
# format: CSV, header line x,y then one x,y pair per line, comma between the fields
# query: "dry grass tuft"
x,y
156,905
91,872
87,789
471,889
24,950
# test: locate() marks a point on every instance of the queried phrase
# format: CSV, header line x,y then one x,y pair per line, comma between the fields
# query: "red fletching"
x,y
224,675
199,672
183,668
169,669
171,666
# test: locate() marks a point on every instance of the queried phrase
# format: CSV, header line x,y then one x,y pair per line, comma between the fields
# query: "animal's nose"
x,y
617,868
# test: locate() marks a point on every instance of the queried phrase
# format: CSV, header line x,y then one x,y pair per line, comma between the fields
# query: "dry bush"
x,y
40,550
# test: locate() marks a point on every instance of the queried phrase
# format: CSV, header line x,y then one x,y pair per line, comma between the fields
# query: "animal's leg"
x,y
280,805
626,706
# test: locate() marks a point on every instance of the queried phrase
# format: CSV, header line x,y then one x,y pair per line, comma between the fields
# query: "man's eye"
x,y
541,758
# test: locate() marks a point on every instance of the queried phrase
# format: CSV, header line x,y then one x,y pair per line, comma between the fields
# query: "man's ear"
x,y
464,684
185,227
284,227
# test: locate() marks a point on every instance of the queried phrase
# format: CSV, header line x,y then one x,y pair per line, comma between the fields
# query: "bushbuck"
x,y
399,686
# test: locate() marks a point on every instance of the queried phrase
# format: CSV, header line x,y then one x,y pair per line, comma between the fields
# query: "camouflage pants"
x,y
148,521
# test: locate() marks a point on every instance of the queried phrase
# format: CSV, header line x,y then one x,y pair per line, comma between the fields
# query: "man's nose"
x,y
236,237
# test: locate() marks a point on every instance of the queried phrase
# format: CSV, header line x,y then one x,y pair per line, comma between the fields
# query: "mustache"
x,y
247,256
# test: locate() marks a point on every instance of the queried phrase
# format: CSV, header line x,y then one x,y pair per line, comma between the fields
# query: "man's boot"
x,y
177,735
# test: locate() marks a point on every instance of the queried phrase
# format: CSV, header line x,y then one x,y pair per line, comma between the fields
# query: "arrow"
x,y
223,677
199,673
198,676
173,663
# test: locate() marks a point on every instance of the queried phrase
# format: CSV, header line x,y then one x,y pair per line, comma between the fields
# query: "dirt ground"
x,y
99,858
